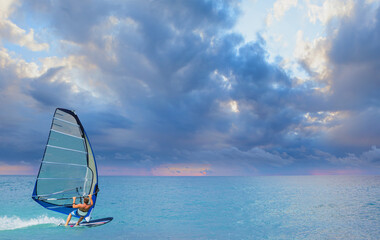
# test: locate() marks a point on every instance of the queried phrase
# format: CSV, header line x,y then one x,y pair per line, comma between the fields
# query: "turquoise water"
x,y
302,207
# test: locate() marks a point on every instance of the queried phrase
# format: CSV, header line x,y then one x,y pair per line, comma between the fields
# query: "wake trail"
x,y
14,222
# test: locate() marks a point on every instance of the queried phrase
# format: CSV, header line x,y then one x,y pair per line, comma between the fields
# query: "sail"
x,y
68,168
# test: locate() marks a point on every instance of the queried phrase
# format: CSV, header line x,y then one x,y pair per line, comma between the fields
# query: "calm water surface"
x,y
301,207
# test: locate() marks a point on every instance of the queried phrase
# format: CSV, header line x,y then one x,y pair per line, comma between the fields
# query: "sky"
x,y
195,88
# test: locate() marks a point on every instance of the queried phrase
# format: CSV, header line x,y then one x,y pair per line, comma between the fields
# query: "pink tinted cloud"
x,y
181,169
16,170
122,171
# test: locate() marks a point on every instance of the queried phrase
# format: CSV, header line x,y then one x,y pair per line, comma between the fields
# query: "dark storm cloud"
x,y
355,55
187,90
71,19
19,125
357,40
51,89
49,93
355,81
176,72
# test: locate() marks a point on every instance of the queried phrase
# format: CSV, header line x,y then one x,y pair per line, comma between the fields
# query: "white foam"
x,y
14,222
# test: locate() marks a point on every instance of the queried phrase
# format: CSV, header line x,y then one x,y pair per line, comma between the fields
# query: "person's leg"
x,y
68,219
80,220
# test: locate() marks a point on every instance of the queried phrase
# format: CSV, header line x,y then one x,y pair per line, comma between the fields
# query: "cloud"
x,y
369,160
280,7
47,91
228,161
345,63
122,171
313,56
7,7
13,68
29,93
330,9
55,87
67,19
337,172
356,73
11,32
362,28
254,156
179,169
15,105
359,129
6,169
169,88
178,82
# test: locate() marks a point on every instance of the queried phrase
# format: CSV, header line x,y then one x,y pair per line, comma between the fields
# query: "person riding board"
x,y
82,209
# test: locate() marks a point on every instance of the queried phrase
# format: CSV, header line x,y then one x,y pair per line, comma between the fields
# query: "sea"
x,y
269,207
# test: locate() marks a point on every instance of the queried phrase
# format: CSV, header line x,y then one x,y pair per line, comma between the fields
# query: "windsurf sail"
x,y
68,167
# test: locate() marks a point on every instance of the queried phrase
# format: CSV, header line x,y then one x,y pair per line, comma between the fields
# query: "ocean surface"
x,y
283,207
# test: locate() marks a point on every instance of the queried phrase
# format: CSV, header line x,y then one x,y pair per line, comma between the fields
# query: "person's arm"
x,y
91,202
75,205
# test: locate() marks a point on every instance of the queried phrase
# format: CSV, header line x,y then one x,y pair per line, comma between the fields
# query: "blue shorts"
x,y
76,214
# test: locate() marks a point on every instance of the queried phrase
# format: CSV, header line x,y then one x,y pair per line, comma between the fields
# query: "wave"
x,y
14,222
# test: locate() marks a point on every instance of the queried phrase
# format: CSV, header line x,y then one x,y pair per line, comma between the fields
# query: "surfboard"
x,y
92,223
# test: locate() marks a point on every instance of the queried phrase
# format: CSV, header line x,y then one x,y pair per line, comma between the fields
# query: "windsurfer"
x,y
82,209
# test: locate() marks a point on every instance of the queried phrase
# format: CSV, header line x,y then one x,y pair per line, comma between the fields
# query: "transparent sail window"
x,y
59,155
67,128
64,116
66,141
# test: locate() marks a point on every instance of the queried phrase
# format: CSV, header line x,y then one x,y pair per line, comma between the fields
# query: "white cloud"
x,y
372,1
329,10
7,7
17,35
313,55
230,106
18,77
280,7
324,117
234,106
18,67
11,32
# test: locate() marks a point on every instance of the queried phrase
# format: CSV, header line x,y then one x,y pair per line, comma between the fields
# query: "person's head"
x,y
85,200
